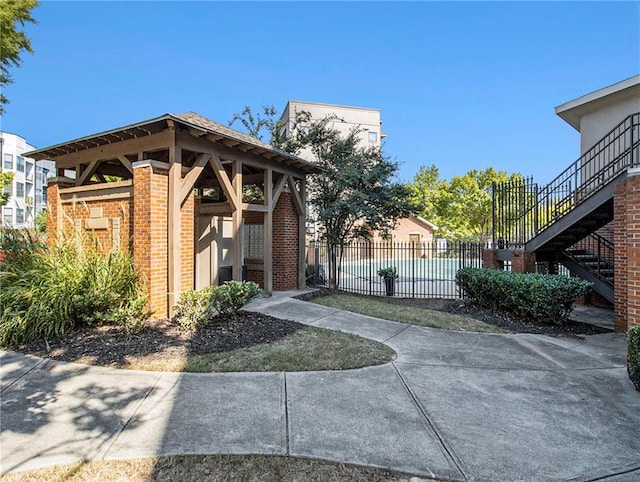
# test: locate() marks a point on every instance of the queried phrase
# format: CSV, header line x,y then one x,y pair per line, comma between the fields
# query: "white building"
x,y
366,120
29,187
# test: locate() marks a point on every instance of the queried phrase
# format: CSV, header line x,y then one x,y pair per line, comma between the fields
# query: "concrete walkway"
x,y
456,406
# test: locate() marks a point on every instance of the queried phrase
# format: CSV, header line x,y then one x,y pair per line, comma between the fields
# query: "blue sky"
x,y
459,85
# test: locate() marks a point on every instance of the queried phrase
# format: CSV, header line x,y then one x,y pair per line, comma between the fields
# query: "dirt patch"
x,y
467,308
110,346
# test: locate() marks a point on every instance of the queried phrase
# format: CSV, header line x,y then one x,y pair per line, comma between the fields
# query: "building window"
x,y
373,137
19,189
7,216
9,189
20,163
29,170
19,216
8,161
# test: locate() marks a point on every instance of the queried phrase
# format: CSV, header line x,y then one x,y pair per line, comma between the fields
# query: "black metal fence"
x,y
422,270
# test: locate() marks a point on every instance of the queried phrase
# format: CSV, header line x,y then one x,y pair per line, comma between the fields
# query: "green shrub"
x,y
47,291
194,309
536,297
233,295
633,355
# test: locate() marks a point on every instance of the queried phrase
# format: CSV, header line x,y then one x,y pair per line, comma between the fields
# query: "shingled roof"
x,y
153,126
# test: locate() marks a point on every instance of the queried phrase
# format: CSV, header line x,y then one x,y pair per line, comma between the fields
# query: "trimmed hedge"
x,y
633,355
541,298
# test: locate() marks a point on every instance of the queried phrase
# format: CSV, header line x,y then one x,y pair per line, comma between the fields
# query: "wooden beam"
x,y
297,200
227,187
302,234
88,172
278,189
221,209
174,227
256,208
112,151
113,170
126,163
237,221
96,187
267,240
234,154
190,179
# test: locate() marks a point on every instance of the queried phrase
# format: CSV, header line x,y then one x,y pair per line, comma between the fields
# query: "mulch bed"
x,y
110,346
467,308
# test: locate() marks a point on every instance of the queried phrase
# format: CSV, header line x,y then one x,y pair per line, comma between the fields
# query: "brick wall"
x,y
106,222
285,244
626,208
117,215
633,250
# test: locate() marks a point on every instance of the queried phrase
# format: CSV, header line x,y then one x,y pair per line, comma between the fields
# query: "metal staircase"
x,y
592,259
552,219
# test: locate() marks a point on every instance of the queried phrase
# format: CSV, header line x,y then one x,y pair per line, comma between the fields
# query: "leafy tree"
x,y
355,192
462,207
268,125
426,192
13,13
6,178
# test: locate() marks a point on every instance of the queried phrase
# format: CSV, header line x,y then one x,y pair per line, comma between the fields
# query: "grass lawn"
x,y
308,349
187,468
405,314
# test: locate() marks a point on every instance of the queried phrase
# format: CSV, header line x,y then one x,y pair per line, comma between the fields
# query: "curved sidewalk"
x,y
459,406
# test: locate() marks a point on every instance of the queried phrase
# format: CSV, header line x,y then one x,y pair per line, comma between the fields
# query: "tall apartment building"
x,y
29,187
366,120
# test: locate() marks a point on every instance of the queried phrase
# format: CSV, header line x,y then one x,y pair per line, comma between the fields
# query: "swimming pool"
x,y
408,269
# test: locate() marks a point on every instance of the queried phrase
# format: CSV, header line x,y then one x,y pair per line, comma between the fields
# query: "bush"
x,y
536,297
233,295
194,309
47,291
633,355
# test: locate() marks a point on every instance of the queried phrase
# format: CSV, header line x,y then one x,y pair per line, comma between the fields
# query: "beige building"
x,y
347,118
595,116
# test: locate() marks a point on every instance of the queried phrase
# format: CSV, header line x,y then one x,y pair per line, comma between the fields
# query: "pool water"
x,y
416,269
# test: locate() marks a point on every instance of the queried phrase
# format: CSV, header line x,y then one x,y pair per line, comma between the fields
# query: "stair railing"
x,y
539,208
602,249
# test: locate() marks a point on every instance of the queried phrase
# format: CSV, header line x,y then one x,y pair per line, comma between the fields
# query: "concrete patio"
x,y
455,406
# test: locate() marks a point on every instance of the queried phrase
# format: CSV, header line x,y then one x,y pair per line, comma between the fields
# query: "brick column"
x,y
490,259
150,238
187,244
55,216
523,262
285,244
